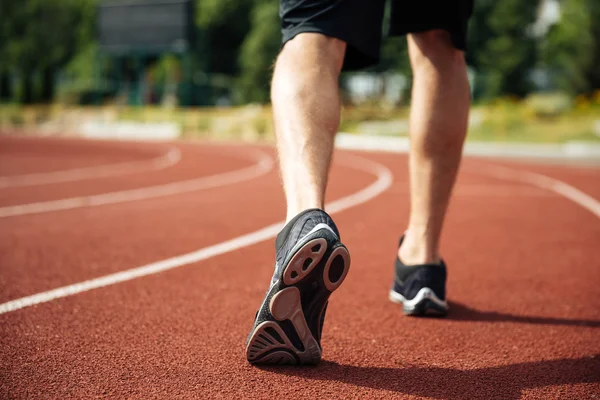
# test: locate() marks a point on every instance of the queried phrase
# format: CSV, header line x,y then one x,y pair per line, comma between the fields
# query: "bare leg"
x,y
306,109
438,126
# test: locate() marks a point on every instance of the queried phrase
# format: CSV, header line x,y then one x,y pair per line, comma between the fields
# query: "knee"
x,y
434,49
309,50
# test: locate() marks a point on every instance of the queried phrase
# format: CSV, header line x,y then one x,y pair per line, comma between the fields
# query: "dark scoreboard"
x,y
145,26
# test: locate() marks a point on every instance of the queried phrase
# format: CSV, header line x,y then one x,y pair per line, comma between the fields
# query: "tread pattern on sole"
x,y
263,342
284,305
269,344
336,268
304,261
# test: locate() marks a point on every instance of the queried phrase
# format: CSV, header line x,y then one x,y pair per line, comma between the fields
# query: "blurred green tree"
x,y
241,39
6,9
593,73
258,53
566,49
225,24
501,46
38,38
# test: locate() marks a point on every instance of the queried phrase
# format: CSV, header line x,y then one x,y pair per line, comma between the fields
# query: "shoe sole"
x,y
314,272
424,303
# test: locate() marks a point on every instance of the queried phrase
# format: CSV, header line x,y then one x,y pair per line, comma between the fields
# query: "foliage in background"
x,y
43,39
78,75
593,74
501,46
565,50
225,24
258,53
38,38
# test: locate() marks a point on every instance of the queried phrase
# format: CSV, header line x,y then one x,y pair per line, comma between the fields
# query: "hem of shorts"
x,y
368,60
454,34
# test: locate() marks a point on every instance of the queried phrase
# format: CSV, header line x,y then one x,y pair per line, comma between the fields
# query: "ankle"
x,y
416,250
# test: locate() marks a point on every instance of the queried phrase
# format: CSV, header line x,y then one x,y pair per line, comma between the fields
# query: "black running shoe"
x,y
421,289
311,263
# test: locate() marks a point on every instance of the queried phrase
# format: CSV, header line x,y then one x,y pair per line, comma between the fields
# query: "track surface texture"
x,y
523,268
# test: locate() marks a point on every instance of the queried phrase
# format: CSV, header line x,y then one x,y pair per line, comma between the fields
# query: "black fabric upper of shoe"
x,y
412,278
299,226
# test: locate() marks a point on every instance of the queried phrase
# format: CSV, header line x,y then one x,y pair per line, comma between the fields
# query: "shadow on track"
x,y
503,382
460,312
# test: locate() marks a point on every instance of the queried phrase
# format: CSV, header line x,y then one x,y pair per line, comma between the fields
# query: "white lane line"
x,y
483,190
383,182
170,158
356,142
264,164
545,182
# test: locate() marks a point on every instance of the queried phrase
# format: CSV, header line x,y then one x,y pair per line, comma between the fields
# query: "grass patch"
x,y
538,119
556,130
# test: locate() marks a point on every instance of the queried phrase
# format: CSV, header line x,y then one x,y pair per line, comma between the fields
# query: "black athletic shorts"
x,y
359,22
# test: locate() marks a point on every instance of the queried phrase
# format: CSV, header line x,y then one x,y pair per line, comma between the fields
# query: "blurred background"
x,y
202,68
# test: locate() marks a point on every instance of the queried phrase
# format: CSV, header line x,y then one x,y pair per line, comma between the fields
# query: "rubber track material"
x,y
523,274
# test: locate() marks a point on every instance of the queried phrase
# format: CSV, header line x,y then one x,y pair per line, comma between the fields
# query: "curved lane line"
x,y
482,190
545,182
170,158
383,182
263,165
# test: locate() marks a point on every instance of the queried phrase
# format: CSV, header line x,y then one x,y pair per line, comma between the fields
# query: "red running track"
x,y
523,278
